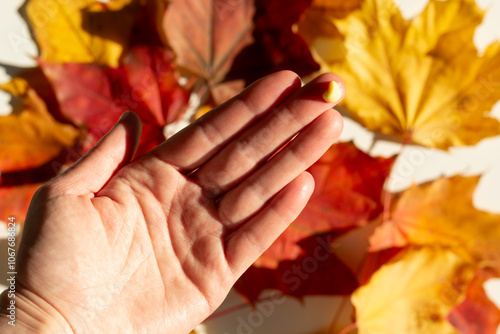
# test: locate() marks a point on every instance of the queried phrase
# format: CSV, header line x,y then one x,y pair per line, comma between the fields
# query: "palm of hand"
x,y
154,245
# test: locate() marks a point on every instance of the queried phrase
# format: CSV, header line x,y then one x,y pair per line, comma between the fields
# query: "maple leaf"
x,y
421,80
317,271
81,30
276,45
316,26
477,314
347,194
206,36
441,212
30,136
414,294
95,97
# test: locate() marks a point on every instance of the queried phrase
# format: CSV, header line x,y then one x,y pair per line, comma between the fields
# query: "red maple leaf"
x,y
95,96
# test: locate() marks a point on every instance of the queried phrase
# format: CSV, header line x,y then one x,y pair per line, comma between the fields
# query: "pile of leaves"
x,y
427,249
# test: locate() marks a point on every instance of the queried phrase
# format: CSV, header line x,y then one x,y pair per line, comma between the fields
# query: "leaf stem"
x,y
349,328
337,315
387,195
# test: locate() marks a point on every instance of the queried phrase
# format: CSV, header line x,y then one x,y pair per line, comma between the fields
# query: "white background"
x,y
415,165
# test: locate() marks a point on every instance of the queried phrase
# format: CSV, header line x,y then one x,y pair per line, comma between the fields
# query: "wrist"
x,y
26,313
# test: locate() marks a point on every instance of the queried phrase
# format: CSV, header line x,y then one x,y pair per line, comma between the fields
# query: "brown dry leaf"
x,y
81,30
206,36
413,295
30,137
421,80
316,26
441,212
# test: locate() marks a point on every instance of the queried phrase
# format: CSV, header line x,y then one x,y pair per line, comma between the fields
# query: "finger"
x,y
92,171
255,145
195,144
256,235
253,192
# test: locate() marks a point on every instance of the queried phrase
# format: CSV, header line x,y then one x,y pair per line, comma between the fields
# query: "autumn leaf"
x,y
81,30
30,137
441,212
316,26
348,191
276,44
413,295
15,200
34,79
206,36
95,97
477,314
420,81
317,271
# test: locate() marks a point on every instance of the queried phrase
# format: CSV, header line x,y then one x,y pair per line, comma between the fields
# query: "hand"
x,y
154,245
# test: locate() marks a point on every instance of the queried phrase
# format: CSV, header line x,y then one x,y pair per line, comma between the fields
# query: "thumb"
x,y
93,170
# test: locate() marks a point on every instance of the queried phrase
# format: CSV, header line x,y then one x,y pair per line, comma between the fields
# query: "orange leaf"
x,y
441,212
206,35
31,137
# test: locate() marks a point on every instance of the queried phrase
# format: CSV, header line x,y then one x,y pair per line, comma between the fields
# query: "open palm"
x,y
155,244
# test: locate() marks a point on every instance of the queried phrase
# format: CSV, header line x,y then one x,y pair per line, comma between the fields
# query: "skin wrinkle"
x,y
193,254
241,149
114,242
183,260
20,296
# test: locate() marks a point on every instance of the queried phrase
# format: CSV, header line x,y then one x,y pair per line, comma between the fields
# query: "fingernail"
x,y
334,92
124,115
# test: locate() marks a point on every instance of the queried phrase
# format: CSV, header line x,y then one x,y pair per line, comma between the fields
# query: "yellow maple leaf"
x,y
441,212
414,294
30,136
81,30
419,80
